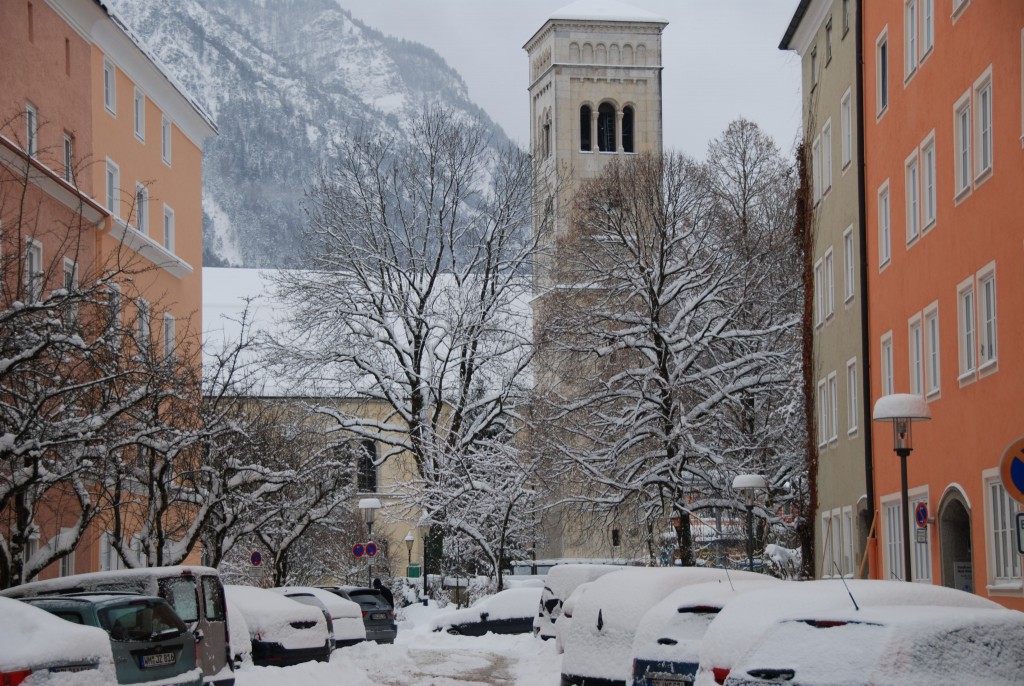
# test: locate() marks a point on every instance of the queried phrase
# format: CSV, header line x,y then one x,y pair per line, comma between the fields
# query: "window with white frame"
x,y
988,348
959,5
814,66
968,342
70,286
113,186
847,531
927,12
932,368
888,381
852,406
846,127
928,200
31,129
816,172
983,125
67,564
836,568
833,407
141,208
165,139
910,45
921,553
168,333
109,87
819,293
884,232
826,156
849,265
823,413
142,324
168,229
830,284
893,512
109,559
962,143
913,193
846,17
827,545
915,341
882,73
828,41
1004,560
34,276
139,111
69,158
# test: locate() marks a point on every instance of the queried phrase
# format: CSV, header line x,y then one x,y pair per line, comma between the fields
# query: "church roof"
x,y
605,10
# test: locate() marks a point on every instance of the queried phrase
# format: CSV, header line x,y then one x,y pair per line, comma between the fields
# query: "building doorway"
x,y
955,549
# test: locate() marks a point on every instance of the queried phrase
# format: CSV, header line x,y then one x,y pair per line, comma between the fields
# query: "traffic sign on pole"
x,y
371,549
256,559
1011,470
358,550
921,515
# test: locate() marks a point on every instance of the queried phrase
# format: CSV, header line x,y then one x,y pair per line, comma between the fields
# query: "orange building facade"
x,y
108,149
944,171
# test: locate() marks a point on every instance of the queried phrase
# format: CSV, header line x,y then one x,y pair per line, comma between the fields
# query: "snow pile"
x,y
509,604
605,10
270,617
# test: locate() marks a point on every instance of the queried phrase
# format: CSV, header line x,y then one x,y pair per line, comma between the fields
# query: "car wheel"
x,y
453,631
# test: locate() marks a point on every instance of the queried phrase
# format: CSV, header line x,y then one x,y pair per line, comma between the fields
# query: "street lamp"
x,y
369,506
409,539
748,485
902,409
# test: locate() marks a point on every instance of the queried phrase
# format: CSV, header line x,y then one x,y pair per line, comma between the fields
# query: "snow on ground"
x,y
420,657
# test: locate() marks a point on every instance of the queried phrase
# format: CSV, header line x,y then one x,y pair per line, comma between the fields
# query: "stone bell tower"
x,y
595,95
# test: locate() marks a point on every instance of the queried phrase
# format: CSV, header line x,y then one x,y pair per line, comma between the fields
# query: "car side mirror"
x,y
484,616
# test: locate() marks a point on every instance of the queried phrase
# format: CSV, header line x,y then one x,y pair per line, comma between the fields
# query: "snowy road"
x,y
421,658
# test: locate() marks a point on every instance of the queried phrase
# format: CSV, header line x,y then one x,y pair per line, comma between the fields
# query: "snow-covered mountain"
x,y
282,78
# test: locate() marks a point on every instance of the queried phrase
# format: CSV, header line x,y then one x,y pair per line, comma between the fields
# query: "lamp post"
x,y
748,485
902,409
409,539
369,507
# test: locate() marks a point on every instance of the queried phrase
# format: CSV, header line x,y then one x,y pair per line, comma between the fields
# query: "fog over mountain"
x,y
283,78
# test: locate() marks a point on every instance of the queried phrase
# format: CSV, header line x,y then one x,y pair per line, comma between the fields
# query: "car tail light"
x,y
365,613
720,674
14,678
391,615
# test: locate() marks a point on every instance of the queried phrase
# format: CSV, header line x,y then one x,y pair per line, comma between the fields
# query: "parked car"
x,y
666,646
282,631
508,612
238,637
599,641
889,646
739,626
565,616
149,641
195,593
345,617
559,584
38,648
378,615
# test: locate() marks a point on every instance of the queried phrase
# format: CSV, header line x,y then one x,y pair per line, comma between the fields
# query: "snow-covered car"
x,y
565,616
666,646
889,646
598,644
282,631
378,614
39,649
238,637
745,620
346,617
558,586
149,641
508,612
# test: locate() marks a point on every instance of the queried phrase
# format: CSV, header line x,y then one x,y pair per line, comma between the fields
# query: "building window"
x,y
627,129
830,284
31,129
140,115
585,124
927,27
816,178
823,421
168,229
959,5
888,381
852,408
34,276
142,324
113,185
962,143
921,557
846,126
849,265
884,233
828,41
968,344
913,192
616,538
819,293
67,564
932,369
165,139
1004,558
827,546
833,407
847,532
987,334
910,38
983,125
141,208
882,73
606,127
366,469
70,287
916,345
826,156
69,158
169,336
846,17
109,87
894,540
814,66
928,184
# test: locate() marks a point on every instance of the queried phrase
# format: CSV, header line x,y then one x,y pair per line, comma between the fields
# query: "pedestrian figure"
x,y
384,591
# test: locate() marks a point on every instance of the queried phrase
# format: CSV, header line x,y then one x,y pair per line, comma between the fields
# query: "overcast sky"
x,y
721,59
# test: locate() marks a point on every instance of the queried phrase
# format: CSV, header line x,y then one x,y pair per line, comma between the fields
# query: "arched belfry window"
x,y
546,132
606,127
586,137
627,129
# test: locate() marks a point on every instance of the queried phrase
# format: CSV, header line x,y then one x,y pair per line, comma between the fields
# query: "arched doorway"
x,y
955,547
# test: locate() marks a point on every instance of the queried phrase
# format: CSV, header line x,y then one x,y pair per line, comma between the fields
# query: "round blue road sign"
x,y
1011,470
921,515
358,550
371,549
256,559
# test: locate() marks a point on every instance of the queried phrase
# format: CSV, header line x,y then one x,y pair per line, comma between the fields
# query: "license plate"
x,y
158,660
378,615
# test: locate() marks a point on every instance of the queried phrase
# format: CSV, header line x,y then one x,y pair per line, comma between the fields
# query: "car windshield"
x,y
141,620
370,601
